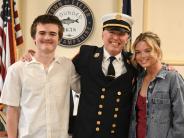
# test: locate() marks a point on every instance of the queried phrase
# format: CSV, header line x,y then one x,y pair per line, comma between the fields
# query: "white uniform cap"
x,y
118,21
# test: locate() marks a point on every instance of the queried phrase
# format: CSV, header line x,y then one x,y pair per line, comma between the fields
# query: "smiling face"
x,y
46,37
145,55
146,50
114,41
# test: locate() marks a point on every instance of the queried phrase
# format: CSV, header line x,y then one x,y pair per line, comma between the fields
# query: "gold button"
x,y
99,112
119,93
116,109
102,96
113,125
117,100
97,129
112,131
98,122
115,115
100,106
103,89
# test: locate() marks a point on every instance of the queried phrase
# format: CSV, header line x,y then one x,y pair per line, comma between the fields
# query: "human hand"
x,y
28,55
1,106
171,68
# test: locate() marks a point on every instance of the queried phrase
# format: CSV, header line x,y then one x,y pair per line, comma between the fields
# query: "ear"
x,y
102,35
34,40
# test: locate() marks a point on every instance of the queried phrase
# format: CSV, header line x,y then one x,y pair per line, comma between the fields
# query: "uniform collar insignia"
x,y
128,61
96,55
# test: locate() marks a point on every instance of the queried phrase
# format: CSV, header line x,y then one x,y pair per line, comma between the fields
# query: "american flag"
x,y
10,36
126,9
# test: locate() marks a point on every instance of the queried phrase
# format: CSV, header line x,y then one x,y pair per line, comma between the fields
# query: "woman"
x,y
158,107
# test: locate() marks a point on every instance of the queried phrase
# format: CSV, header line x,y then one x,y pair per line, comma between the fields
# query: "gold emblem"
x,y
96,55
118,17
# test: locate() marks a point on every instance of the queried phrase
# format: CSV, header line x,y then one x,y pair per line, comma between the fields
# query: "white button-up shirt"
x,y
118,64
42,95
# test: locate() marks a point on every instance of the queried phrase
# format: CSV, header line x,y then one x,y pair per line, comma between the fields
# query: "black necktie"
x,y
111,71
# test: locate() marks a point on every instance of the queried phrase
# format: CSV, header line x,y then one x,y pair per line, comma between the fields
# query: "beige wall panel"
x,y
166,18
137,14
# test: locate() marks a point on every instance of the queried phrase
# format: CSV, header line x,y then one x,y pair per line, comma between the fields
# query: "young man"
x,y
107,79
37,93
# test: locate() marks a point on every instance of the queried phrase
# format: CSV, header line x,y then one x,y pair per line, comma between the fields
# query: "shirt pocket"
x,y
161,100
161,106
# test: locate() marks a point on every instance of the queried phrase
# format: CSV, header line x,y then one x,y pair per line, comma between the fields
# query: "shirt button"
x,y
98,122
97,129
116,109
113,125
119,93
99,112
115,115
117,100
100,106
103,89
112,131
102,96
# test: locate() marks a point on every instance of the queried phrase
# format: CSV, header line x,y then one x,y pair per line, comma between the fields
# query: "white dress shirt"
x,y
75,97
118,64
42,95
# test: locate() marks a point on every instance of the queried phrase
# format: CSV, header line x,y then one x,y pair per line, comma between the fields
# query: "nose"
x,y
47,36
144,54
116,36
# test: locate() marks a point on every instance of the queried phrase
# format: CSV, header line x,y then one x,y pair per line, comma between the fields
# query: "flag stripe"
x,y
127,7
10,36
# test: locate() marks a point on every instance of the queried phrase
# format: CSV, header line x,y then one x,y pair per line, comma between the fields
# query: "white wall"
x,y
166,18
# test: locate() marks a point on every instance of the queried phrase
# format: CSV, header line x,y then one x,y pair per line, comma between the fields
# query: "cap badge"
x,y
118,17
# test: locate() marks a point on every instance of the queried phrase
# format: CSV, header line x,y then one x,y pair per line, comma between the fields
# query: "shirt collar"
x,y
33,61
107,55
161,74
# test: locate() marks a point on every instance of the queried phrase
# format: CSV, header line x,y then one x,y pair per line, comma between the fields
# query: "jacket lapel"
x,y
95,69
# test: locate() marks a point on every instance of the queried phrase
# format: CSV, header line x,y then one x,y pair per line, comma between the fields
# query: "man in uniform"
x,y
106,82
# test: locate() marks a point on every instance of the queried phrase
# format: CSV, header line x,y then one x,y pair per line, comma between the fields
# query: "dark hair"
x,y
46,19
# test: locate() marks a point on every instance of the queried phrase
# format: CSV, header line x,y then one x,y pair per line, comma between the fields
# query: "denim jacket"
x,y
165,106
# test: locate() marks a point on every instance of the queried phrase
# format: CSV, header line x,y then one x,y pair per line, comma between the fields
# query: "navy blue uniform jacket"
x,y
104,106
